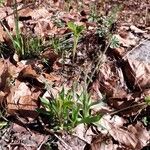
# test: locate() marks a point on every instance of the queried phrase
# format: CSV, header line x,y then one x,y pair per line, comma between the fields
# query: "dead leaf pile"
x,y
130,137
123,77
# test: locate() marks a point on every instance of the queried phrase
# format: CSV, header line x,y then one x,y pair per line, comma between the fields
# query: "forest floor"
x,y
75,75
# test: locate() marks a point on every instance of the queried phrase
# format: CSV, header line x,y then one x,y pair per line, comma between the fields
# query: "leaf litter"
x,y
123,76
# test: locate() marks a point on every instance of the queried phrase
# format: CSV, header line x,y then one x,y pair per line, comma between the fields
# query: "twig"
x,y
99,62
44,141
126,108
125,56
65,144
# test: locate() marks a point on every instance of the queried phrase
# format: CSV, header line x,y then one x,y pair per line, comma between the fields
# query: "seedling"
x,y
68,112
1,2
77,30
147,100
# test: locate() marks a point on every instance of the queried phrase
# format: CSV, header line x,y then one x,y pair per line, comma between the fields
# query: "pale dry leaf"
x,y
84,134
39,13
138,73
28,72
136,30
105,143
123,135
2,34
111,80
130,40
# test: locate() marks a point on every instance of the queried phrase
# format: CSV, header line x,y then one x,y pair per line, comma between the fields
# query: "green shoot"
x,y
77,30
68,112
147,100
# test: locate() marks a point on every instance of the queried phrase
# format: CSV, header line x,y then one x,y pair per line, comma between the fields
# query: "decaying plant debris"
x,y
74,75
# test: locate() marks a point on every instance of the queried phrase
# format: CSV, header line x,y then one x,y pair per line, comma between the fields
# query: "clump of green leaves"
x,y
23,45
1,1
106,25
77,30
147,100
68,111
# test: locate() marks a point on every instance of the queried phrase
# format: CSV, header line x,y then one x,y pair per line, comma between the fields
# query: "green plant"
x,y
3,120
1,2
25,46
17,39
32,47
77,30
147,100
104,31
106,22
68,111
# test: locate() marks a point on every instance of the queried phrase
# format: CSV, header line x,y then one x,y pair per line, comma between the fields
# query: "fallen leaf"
x,y
83,133
111,80
105,143
136,30
3,73
50,55
128,40
28,72
137,74
22,100
133,137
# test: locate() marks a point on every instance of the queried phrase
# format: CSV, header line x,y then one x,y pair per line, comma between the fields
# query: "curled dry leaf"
x,y
2,34
83,133
128,40
111,81
3,73
137,74
2,95
22,100
50,55
125,106
133,137
136,30
106,143
28,72
137,66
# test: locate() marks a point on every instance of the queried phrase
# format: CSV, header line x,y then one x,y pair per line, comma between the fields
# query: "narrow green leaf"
x,y
72,26
147,100
3,124
45,101
90,119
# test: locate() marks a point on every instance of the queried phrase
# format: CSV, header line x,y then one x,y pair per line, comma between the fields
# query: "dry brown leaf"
x,y
83,133
50,55
22,100
3,73
111,80
129,40
124,105
105,143
137,74
11,2
2,95
2,34
134,137
136,30
119,52
44,28
39,13
28,72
